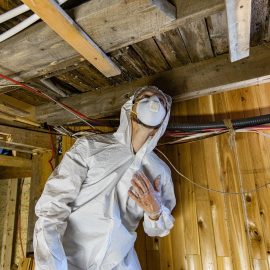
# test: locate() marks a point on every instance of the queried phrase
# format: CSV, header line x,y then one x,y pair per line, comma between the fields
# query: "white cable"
x,y
211,189
207,134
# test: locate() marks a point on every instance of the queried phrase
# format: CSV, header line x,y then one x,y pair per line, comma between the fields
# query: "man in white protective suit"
x,y
93,201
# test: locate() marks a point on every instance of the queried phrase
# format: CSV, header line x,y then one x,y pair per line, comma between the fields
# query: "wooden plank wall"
x,y
213,231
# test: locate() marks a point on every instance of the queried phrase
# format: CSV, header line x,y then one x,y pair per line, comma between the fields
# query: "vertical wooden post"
x,y
8,234
41,170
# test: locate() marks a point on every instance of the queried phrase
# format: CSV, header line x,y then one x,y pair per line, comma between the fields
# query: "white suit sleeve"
x,y
162,226
52,208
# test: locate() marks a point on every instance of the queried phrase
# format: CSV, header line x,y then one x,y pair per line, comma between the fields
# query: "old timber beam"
x,y
194,80
112,24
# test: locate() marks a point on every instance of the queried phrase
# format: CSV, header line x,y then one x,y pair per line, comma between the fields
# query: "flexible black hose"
x,y
239,123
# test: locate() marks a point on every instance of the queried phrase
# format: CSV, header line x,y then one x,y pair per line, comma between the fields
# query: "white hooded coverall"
x,y
86,220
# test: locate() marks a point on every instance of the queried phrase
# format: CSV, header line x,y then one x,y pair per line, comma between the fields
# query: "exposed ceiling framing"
x,y
214,75
57,19
147,43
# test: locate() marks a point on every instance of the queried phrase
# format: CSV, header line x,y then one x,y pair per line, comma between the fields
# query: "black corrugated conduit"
x,y
239,123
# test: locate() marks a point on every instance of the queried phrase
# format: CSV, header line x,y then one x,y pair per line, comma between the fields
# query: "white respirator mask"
x,y
150,112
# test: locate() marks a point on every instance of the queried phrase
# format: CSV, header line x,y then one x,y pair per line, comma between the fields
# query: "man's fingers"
x,y
137,187
140,183
145,179
134,197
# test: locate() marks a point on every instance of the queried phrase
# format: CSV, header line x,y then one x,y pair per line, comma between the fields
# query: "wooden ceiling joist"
x,y
57,19
112,24
239,20
203,78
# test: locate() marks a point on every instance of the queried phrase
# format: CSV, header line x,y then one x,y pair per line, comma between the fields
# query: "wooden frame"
x,y
57,19
239,20
207,77
9,226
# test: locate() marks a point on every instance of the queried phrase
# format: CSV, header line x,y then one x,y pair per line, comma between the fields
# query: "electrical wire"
x,y
38,92
203,134
211,189
53,150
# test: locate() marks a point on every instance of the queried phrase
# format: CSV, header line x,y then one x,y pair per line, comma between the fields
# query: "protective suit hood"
x,y
86,220
124,131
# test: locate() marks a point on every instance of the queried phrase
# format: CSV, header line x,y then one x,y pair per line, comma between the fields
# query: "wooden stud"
x,y
9,225
9,161
41,170
13,173
239,19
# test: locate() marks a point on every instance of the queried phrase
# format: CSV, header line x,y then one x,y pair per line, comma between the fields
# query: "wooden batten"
x,y
9,225
34,139
13,172
239,21
14,110
17,162
41,170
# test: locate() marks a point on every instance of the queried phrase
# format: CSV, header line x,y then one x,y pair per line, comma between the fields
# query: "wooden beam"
x,y
9,225
17,162
207,77
239,21
57,19
14,110
12,105
41,170
25,148
112,24
12,173
32,138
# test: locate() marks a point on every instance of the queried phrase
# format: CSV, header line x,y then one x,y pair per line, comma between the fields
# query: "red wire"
x,y
53,150
40,93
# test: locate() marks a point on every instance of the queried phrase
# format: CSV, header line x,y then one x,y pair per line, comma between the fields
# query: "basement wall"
x,y
212,230
216,231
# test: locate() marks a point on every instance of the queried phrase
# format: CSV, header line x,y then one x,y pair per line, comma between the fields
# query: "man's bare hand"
x,y
146,195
